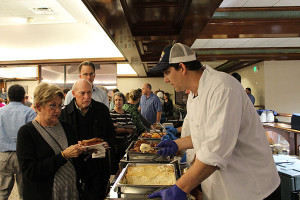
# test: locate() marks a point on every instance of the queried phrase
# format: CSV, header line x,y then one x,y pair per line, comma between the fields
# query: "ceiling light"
x,y
43,11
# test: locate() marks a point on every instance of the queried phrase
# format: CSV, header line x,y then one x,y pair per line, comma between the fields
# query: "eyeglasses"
x,y
54,107
88,74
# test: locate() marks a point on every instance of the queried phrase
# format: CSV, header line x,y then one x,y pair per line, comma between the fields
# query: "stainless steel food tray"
x,y
145,157
154,139
143,189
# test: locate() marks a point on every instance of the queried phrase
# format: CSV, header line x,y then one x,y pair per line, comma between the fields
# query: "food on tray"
x,y
92,141
139,146
145,148
150,175
152,135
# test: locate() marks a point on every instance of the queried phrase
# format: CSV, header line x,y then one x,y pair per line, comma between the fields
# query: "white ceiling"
x,y
259,3
76,33
14,12
246,43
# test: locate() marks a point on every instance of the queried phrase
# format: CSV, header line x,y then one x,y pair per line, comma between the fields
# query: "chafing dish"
x,y
145,157
122,188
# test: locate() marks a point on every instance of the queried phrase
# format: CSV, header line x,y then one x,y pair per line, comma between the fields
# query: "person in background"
x,y
160,95
126,96
168,105
252,98
134,98
150,105
237,76
12,117
27,102
87,72
3,94
91,119
1,104
124,127
112,104
45,149
66,90
139,90
225,132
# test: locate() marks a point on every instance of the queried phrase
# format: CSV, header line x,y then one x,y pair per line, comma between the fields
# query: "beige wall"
x,y
282,86
255,81
127,84
30,84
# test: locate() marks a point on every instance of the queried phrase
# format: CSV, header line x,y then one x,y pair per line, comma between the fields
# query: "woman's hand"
x,y
73,151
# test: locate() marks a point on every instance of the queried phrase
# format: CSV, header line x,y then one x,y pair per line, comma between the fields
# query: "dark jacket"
x,y
38,162
94,172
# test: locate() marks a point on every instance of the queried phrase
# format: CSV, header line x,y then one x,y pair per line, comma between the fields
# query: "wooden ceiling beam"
x,y
255,9
277,56
239,27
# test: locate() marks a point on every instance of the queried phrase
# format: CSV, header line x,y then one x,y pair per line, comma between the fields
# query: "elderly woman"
x,y
45,148
123,124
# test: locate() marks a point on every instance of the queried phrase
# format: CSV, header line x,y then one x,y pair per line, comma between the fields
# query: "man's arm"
x,y
68,98
184,143
105,99
158,116
195,176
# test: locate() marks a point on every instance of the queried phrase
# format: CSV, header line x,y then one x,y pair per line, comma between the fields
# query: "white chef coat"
x,y
97,94
190,153
226,132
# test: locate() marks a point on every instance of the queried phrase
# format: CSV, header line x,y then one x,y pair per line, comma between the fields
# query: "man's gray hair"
x,y
80,81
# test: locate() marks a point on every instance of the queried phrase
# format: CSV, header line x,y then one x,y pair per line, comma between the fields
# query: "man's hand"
x,y
173,193
171,129
169,148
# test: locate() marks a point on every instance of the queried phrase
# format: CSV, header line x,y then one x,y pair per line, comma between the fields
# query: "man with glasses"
x,y
12,117
91,119
87,72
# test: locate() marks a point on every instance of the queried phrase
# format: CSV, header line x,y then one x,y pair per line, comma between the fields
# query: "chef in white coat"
x,y
233,157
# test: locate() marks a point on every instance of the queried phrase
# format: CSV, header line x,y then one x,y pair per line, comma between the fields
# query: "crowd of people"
x,y
42,145
41,142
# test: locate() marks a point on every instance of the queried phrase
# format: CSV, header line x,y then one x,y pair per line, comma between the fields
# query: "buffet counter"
x,y
292,136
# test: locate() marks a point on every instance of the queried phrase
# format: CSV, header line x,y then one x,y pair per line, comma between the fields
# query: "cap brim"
x,y
160,67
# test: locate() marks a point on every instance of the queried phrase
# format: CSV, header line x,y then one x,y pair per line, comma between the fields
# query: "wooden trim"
x,y
245,9
283,115
21,79
64,61
134,77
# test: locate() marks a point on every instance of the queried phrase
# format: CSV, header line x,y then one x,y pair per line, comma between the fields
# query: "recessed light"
x,y
43,11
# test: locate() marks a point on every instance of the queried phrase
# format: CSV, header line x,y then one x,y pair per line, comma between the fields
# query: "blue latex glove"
x,y
169,148
171,129
169,136
173,193
183,159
